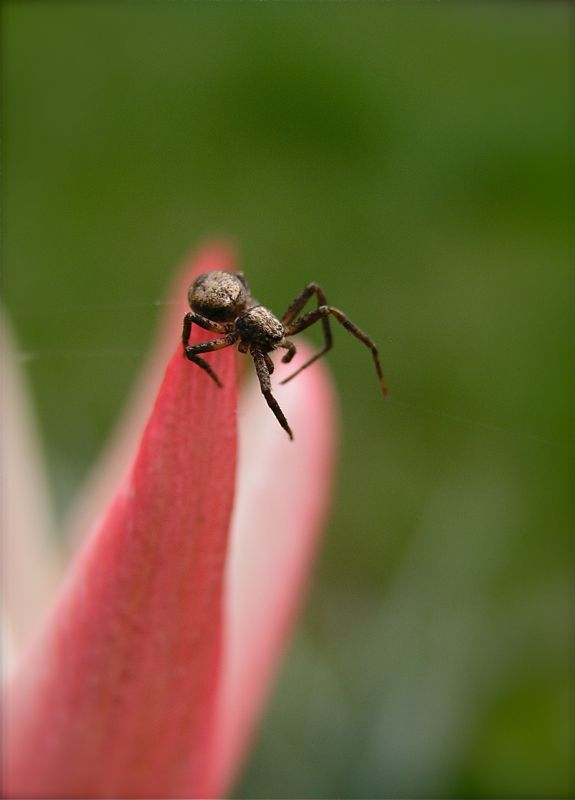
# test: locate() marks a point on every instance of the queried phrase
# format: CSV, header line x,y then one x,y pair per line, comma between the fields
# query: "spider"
x,y
221,302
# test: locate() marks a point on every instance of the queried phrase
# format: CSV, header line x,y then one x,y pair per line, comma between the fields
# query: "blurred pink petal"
x,y
283,496
151,672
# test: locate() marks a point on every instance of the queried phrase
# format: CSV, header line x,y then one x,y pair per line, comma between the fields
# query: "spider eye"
x,y
217,295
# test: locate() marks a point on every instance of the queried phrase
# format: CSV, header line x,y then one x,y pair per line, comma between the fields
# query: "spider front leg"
x,y
262,371
322,313
292,312
207,347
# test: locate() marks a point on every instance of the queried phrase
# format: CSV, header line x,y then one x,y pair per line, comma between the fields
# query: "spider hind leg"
x,y
288,320
322,312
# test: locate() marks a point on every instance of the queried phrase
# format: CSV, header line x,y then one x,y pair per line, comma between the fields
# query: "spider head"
x,y
219,296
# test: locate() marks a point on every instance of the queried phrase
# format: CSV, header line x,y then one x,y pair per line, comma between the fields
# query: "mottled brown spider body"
x,y
221,302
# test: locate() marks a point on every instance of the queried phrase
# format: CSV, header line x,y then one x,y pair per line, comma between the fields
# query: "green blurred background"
x,y
414,159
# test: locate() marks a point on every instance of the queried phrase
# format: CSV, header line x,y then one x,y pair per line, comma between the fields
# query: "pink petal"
x,y
127,693
283,494
116,698
118,455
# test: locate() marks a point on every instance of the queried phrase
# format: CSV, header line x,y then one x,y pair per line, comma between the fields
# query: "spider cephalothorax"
x,y
221,302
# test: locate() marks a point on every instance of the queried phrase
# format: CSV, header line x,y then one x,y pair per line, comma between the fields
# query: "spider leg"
x,y
265,385
321,313
292,312
207,324
191,352
291,351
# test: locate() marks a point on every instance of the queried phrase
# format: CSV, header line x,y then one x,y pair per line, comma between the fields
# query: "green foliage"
x,y
414,160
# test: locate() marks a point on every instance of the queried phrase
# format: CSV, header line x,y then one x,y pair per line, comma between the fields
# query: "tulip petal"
x,y
283,493
116,697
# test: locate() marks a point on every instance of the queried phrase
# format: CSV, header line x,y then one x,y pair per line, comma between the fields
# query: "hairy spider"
x,y
221,302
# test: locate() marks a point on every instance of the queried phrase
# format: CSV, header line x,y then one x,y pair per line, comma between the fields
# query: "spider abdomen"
x,y
218,295
260,326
